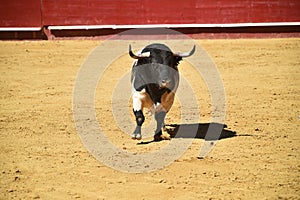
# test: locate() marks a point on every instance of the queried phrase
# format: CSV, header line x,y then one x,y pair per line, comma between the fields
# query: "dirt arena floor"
x,y
42,156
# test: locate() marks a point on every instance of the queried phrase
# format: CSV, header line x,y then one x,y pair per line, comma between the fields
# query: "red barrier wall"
x,y
104,12
36,13
20,13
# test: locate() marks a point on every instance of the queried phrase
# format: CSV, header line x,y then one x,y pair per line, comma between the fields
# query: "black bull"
x,y
154,80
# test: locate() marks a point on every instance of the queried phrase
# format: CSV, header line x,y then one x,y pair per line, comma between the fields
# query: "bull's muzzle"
x,y
165,83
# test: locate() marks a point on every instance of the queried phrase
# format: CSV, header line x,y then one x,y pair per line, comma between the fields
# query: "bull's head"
x,y
158,64
147,54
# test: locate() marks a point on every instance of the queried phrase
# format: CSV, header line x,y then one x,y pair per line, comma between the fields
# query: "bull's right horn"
x,y
186,54
142,55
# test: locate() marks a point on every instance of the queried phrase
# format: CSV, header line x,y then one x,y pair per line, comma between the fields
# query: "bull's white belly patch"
x,y
141,99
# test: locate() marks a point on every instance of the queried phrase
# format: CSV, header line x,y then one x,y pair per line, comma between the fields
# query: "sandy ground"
x,y
42,156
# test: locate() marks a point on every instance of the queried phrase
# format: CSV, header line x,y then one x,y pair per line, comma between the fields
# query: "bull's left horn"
x,y
186,54
143,55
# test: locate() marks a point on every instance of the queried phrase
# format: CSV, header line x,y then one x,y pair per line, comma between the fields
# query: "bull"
x,y
154,79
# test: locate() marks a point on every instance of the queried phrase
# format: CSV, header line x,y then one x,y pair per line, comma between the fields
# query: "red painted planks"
x,y
103,12
18,13
37,13
64,12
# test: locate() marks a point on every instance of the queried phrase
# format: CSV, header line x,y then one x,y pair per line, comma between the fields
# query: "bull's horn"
x,y
185,54
142,55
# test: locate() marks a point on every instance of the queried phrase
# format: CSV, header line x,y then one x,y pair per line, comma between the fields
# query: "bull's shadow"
x,y
207,131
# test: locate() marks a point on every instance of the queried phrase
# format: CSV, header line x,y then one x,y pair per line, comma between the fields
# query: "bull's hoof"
x,y
136,136
165,136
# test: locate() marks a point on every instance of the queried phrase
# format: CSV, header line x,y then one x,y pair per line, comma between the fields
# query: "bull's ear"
x,y
177,59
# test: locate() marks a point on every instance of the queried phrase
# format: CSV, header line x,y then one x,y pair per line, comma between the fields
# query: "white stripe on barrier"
x,y
88,27
20,28
129,26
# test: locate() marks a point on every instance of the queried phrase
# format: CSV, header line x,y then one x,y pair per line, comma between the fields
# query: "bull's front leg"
x,y
162,109
137,103
139,117
160,118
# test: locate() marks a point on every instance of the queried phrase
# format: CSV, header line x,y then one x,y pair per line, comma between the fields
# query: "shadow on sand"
x,y
207,131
